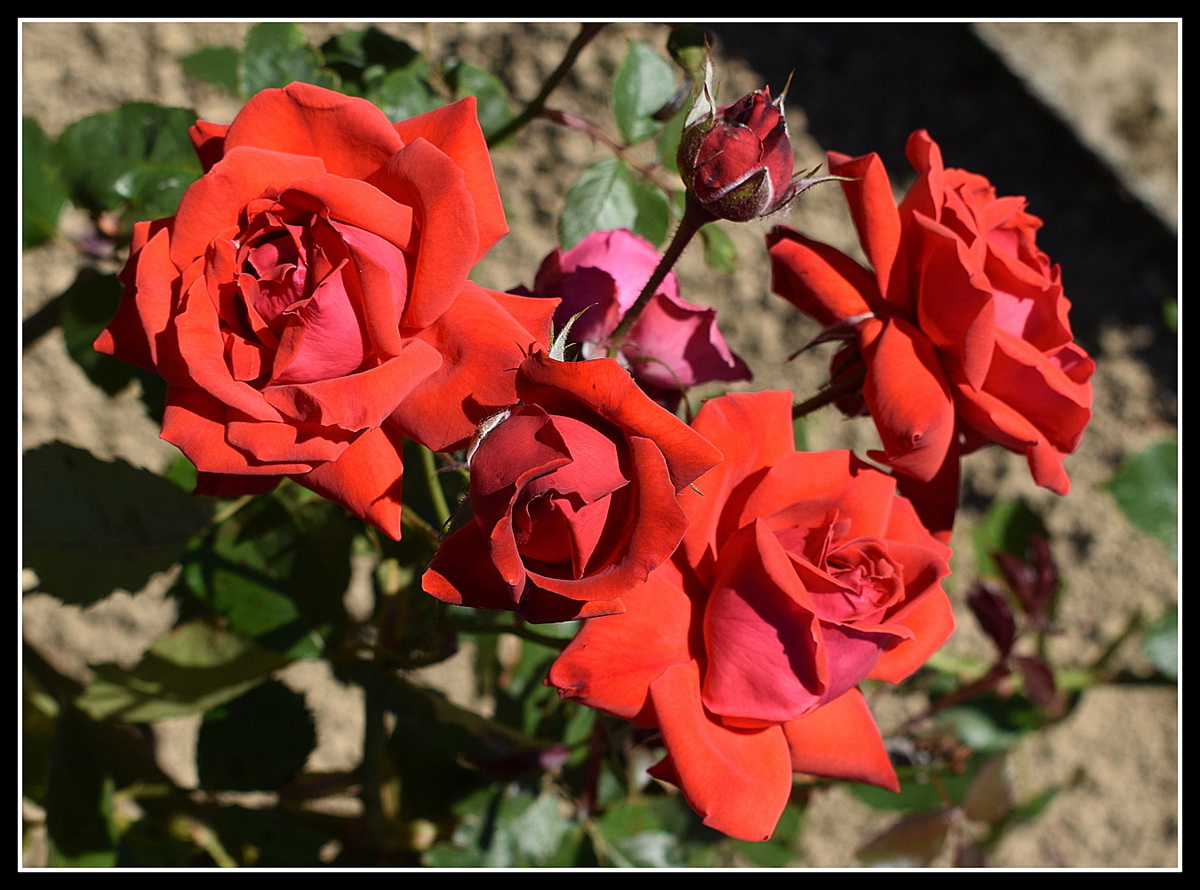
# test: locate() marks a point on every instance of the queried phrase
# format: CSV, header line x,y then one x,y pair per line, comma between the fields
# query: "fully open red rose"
x,y
800,574
308,305
960,332
574,496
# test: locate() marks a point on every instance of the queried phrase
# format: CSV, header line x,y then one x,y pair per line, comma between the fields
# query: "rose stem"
x,y
587,31
436,496
694,217
850,384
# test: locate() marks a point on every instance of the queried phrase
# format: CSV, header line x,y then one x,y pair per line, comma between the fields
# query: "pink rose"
x,y
673,344
309,306
800,575
574,496
959,332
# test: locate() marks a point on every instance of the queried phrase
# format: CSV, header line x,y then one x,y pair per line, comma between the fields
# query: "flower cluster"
x,y
310,309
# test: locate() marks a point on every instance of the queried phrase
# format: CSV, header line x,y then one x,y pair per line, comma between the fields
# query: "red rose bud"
x,y
737,160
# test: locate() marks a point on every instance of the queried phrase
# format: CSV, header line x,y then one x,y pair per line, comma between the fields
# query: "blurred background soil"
x,y
1081,118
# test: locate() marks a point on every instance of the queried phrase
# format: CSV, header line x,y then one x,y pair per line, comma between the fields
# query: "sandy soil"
x,y
1080,118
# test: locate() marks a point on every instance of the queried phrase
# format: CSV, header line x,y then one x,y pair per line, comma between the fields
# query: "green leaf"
x,y
404,93
601,199
78,796
215,64
510,827
1161,644
194,668
653,212
644,82
276,54
277,571
492,102
688,46
43,195
259,741
1008,528
720,254
91,526
89,305
1146,489
138,159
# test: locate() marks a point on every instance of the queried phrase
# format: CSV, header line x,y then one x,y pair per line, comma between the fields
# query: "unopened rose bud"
x,y
737,160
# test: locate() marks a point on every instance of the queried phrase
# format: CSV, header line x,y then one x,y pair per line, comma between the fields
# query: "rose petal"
x,y
738,780
352,136
840,740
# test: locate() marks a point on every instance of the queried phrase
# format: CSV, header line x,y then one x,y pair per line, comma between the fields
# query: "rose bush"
x,y
309,306
800,574
574,496
673,344
960,331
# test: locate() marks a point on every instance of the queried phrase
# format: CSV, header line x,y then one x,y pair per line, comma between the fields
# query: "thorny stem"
x,y
831,393
587,31
694,218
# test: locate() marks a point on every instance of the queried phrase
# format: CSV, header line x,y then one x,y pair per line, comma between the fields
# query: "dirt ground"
x,y
1081,118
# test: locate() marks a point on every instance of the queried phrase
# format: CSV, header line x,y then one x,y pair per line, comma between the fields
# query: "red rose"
x,y
961,328
574,496
800,574
737,161
673,344
308,305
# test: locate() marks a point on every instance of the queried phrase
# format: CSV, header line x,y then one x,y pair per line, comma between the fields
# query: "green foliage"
x,y
259,741
492,100
89,305
43,196
191,670
602,198
95,525
1161,644
215,64
643,84
511,827
1008,527
78,796
137,160
275,54
719,251
1146,489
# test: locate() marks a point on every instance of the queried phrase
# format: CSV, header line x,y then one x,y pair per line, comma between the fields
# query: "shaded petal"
x,y
931,620
766,661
